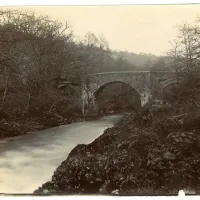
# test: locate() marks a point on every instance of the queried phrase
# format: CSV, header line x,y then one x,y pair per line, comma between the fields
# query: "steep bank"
x,y
156,150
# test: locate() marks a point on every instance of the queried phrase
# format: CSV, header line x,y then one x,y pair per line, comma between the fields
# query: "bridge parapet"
x,y
133,72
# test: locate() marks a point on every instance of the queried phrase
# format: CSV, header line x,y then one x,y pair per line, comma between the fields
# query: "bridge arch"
x,y
169,84
119,95
103,86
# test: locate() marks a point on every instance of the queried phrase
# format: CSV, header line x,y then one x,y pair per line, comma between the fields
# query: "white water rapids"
x,y
28,161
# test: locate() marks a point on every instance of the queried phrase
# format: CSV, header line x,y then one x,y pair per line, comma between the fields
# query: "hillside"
x,y
136,59
143,61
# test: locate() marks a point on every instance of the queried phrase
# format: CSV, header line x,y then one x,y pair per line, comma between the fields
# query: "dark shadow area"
x,y
116,97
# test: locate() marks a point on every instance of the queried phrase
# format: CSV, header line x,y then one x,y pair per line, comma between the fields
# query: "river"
x,y
28,161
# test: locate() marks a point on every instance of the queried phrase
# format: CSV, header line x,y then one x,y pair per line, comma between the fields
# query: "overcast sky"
x,y
136,28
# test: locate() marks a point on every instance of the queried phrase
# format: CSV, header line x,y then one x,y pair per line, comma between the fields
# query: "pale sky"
x,y
138,28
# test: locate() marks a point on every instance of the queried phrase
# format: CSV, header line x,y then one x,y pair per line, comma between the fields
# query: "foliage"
x,y
37,55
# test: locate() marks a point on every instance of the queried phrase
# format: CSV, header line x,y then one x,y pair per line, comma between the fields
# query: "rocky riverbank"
x,y
11,127
154,151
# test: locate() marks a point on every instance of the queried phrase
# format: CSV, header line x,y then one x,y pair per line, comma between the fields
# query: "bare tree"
x,y
188,46
103,43
90,39
33,52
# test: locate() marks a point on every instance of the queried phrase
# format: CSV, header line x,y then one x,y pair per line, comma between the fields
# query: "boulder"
x,y
169,156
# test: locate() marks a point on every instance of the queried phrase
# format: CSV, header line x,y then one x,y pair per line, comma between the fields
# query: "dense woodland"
x,y
38,54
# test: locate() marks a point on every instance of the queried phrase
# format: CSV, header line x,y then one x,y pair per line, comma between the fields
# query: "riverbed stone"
x,y
169,156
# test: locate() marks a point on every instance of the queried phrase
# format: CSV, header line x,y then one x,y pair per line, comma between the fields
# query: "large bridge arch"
x,y
102,87
127,91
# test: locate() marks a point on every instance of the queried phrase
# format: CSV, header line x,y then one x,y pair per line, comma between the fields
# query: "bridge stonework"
x,y
146,83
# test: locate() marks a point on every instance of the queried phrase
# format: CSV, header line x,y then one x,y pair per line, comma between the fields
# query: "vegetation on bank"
x,y
155,149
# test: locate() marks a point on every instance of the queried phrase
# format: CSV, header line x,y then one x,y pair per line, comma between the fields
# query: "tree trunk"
x,y
5,92
28,103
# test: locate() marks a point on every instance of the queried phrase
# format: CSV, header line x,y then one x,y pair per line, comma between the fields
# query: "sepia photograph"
x,y
100,100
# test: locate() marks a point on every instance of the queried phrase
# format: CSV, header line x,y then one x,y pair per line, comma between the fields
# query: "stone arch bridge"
x,y
148,84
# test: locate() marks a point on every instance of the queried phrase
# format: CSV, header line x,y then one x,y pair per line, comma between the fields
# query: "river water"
x,y
28,161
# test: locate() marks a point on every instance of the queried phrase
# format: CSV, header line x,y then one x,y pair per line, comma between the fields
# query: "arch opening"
x,y
170,91
116,97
